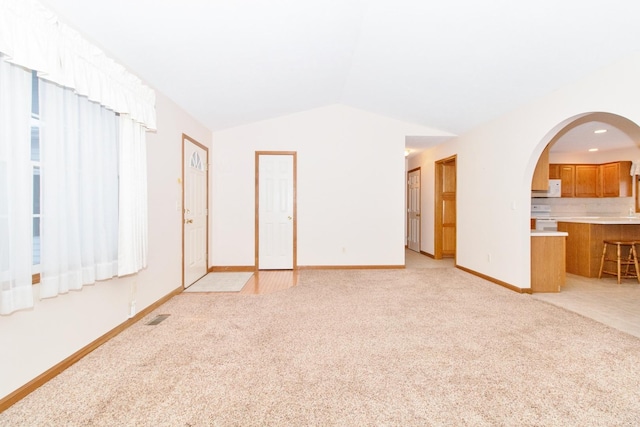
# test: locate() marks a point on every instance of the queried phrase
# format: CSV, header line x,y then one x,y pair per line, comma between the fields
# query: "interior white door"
x,y
413,209
275,209
195,212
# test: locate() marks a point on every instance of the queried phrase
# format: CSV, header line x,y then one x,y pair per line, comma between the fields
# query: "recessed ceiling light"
x,y
593,149
600,131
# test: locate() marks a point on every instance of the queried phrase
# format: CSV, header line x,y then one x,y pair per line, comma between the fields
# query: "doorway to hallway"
x,y
445,208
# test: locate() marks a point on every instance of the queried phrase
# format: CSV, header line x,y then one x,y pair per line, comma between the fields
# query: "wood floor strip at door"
x,y
266,281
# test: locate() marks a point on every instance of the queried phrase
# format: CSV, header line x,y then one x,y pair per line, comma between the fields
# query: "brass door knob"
x,y
188,221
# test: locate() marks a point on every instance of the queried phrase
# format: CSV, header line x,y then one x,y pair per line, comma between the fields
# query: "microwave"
x,y
555,189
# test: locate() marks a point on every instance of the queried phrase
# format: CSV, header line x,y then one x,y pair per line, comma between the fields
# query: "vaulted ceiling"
x,y
449,65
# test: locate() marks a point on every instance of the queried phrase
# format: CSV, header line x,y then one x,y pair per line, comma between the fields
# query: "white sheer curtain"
x,y
132,242
88,224
15,188
79,225
32,36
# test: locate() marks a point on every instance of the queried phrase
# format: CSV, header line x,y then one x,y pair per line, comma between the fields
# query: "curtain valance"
x,y
32,36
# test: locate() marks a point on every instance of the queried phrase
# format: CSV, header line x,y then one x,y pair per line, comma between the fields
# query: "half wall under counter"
x,y
585,240
547,260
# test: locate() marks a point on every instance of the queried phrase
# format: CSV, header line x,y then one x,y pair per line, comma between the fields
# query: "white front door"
x,y
195,212
276,211
413,210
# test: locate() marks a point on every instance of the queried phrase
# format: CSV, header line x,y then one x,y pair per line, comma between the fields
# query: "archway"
x,y
576,140
595,158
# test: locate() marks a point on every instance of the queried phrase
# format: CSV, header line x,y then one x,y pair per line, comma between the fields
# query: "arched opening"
x,y
595,138
595,156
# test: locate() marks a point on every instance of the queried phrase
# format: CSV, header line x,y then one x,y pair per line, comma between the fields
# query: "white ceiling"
x,y
583,138
449,65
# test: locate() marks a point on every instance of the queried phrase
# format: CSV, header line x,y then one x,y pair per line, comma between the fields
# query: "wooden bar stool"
x,y
630,260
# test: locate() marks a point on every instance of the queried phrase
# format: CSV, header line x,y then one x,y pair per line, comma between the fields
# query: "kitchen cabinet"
x,y
554,171
540,181
587,181
616,179
567,173
593,180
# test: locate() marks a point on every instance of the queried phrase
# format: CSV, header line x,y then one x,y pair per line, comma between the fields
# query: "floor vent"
x,y
159,318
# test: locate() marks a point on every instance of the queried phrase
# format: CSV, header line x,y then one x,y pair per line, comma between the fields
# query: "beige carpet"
x,y
221,282
431,347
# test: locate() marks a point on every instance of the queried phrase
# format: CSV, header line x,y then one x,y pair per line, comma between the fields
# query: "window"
x,y
196,161
52,160
35,166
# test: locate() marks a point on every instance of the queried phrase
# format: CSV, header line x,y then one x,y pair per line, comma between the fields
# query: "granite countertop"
x,y
601,219
548,233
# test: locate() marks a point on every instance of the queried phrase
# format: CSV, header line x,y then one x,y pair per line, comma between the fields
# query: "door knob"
x,y
188,221
289,218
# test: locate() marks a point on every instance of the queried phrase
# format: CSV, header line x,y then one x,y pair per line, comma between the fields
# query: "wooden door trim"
x,y
186,138
257,204
438,221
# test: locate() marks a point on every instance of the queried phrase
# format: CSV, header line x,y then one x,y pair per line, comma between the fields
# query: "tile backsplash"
x,y
573,206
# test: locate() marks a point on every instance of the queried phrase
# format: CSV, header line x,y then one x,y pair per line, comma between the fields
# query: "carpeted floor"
x,y
352,348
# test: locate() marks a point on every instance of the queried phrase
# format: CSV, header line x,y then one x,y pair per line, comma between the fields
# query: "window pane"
x,y
35,143
36,241
36,190
35,101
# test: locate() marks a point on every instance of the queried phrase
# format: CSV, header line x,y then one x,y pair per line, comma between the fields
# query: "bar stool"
x,y
630,260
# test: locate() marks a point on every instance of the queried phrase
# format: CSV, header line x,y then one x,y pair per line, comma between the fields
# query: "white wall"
x,y
351,185
495,167
35,340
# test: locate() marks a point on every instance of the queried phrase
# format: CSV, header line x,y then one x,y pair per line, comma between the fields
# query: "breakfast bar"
x,y
585,240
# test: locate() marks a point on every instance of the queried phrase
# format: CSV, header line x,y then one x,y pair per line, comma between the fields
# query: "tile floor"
x,y
602,300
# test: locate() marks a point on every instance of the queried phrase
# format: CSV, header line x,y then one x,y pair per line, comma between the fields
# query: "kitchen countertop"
x,y
601,220
548,233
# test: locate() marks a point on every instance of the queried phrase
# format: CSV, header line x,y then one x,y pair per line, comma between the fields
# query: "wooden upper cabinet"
x,y
604,180
554,171
567,175
587,181
616,179
540,181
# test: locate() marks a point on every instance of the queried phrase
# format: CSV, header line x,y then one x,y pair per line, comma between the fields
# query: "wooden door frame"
x,y
418,169
438,222
257,204
186,138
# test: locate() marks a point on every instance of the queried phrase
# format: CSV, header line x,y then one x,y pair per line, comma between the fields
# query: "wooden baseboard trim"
x,y
496,281
350,267
231,268
428,254
48,375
